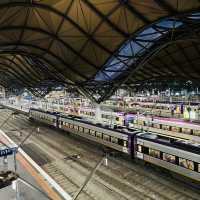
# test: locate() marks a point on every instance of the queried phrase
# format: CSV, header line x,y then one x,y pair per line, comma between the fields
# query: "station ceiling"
x,y
97,45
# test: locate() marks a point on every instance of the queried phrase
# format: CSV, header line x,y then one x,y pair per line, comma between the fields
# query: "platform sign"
x,y
7,151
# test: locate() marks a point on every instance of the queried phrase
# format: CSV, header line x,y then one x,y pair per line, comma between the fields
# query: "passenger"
x,y
189,111
182,108
38,130
172,111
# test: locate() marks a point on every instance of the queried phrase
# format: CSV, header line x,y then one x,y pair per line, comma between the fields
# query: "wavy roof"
x,y
97,45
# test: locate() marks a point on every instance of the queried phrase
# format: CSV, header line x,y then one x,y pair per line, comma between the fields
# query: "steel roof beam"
x,y
21,70
53,55
18,78
166,6
21,52
136,13
51,9
187,58
105,18
66,45
181,69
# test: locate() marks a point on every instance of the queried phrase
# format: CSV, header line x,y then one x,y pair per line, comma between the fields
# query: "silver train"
x,y
175,155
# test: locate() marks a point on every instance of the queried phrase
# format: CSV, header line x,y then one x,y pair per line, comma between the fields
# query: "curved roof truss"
x,y
97,45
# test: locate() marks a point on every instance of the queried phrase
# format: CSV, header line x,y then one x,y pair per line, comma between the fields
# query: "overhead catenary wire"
x,y
89,177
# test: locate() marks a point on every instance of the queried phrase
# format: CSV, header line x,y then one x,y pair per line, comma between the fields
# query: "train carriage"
x,y
87,113
176,128
179,157
115,139
114,118
49,118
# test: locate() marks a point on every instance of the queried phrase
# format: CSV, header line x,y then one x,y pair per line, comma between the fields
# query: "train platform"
x,y
21,109
31,177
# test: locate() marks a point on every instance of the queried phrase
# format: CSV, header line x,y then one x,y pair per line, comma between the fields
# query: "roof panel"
x,y
83,16
104,6
63,5
183,5
150,9
126,20
109,42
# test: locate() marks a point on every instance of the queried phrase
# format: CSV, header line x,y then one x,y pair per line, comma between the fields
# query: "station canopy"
x,y
97,45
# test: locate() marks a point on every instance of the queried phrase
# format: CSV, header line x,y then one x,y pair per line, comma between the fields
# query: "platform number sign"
x,y
6,152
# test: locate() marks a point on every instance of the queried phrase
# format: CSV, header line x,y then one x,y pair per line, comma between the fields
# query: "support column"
x,y
18,101
97,113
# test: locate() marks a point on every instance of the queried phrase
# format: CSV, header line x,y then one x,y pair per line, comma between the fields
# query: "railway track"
x,y
64,181
121,179
135,179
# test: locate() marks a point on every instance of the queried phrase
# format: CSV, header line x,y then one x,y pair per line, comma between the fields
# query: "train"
x,y
173,109
175,127
106,117
172,154
169,126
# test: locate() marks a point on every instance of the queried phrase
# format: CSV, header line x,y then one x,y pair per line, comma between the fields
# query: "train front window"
x,y
139,148
125,143
169,158
188,164
154,153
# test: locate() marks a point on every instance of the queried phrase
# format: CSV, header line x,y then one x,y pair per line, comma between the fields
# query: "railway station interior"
x,y
99,99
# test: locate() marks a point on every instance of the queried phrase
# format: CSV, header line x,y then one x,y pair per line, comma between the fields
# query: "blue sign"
x,y
6,152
